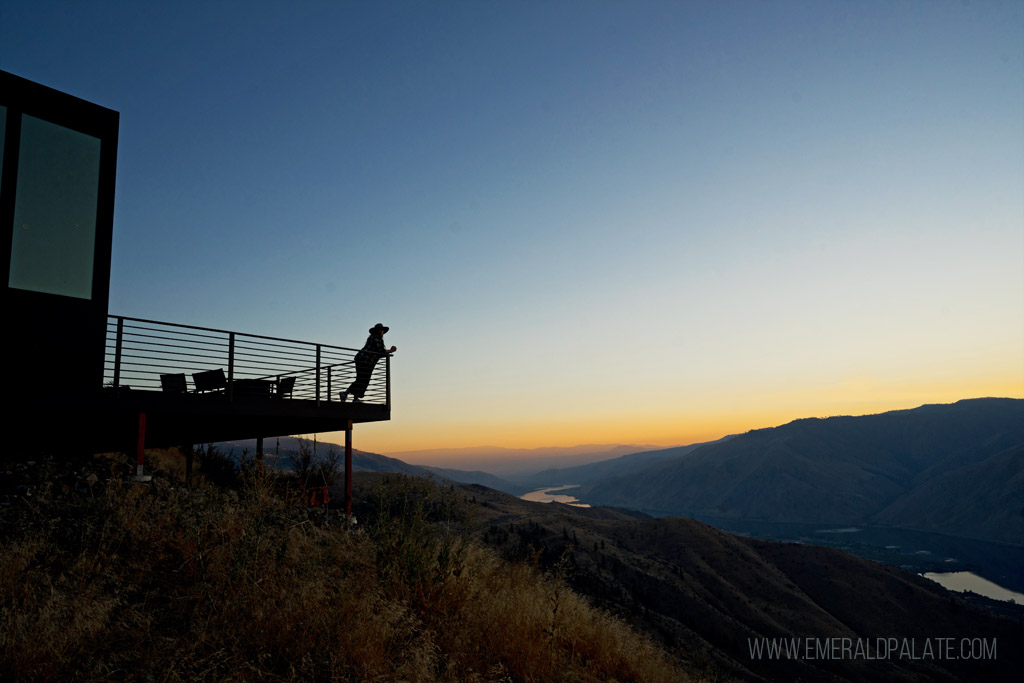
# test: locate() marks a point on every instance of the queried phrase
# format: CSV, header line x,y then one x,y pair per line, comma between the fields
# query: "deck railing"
x,y
139,351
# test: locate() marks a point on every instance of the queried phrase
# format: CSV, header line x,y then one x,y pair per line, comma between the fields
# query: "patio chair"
x,y
174,383
209,380
285,386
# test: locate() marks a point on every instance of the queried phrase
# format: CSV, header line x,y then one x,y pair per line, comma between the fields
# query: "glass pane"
x,y
3,132
54,234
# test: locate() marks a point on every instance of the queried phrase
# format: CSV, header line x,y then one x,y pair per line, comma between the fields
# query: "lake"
x,y
969,581
547,495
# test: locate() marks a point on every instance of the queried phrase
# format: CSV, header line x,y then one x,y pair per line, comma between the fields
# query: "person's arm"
x,y
377,344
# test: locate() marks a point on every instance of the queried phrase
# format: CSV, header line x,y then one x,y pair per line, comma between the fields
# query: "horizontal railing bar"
x,y
238,354
168,329
157,369
221,343
295,354
259,342
167,363
261,353
251,336
284,359
146,369
173,361
287,365
178,359
128,369
273,343
181,356
137,346
269,373
179,329
290,357
249,370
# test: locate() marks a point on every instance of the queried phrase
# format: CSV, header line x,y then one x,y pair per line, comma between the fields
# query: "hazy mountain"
x,y
948,468
476,477
285,448
508,462
593,472
706,593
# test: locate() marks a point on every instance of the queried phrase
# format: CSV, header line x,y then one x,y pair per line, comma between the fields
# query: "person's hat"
x,y
379,326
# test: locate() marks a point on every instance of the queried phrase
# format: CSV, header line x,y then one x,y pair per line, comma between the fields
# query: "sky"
x,y
584,222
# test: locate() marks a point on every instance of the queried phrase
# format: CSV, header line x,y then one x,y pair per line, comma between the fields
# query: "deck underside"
x,y
112,423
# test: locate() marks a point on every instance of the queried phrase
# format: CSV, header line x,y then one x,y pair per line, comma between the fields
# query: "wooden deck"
x,y
142,354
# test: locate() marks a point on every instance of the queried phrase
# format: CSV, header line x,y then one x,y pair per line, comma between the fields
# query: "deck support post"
x,y
190,455
140,451
348,470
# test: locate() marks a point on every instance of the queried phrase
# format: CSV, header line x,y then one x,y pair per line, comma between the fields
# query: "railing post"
x,y
117,356
140,452
348,472
318,375
231,366
387,381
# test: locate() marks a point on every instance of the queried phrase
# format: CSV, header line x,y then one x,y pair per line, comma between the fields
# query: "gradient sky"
x,y
585,222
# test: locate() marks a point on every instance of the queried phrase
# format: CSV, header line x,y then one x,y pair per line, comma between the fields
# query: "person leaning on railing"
x,y
372,351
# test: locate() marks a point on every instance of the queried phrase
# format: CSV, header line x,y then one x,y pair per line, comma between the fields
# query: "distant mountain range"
x,y
604,469
510,463
955,469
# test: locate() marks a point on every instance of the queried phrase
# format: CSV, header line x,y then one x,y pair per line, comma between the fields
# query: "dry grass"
x,y
163,583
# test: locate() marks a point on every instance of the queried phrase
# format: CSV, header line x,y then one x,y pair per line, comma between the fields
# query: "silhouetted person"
x,y
372,351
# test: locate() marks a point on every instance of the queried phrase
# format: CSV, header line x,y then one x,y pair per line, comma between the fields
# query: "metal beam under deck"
x,y
175,420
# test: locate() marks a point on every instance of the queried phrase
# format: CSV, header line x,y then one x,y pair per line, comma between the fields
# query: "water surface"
x,y
546,495
969,581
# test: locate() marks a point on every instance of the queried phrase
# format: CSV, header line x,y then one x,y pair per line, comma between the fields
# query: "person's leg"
x,y
363,372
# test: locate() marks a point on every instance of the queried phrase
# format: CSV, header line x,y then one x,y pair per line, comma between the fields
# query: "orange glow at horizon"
x,y
673,424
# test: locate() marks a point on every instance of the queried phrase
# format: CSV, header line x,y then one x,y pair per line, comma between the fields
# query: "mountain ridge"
x,y
849,470
509,462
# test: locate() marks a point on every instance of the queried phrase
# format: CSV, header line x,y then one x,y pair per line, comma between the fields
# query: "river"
x,y
546,495
969,581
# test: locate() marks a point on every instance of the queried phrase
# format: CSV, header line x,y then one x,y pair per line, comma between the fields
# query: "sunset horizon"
x,y
629,436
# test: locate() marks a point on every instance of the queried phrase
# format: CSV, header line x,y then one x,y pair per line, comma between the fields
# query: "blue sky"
x,y
649,222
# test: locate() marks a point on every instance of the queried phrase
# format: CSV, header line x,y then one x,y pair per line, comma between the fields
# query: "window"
x,y
54,234
3,132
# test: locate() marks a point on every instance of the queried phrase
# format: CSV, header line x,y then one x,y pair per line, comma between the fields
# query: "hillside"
x,y
953,469
705,593
280,454
105,579
981,500
102,579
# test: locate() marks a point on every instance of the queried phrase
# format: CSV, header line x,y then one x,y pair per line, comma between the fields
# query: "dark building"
x,y
97,382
